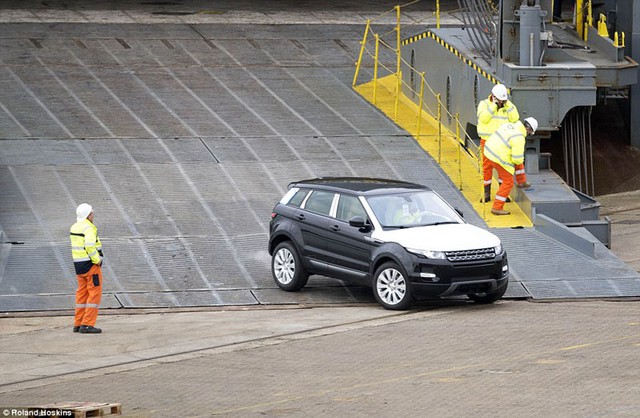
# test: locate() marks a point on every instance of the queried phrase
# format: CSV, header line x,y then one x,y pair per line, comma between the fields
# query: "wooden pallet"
x,y
79,409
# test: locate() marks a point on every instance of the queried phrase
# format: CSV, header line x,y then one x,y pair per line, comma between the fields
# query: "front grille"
x,y
470,255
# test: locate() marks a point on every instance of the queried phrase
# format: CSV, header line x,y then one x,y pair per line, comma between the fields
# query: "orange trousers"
x,y
487,168
505,186
88,296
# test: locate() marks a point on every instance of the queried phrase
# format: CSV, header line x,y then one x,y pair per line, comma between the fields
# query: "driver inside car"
x,y
407,214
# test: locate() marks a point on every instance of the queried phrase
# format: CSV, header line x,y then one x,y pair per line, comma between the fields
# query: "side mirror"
x,y
358,222
459,212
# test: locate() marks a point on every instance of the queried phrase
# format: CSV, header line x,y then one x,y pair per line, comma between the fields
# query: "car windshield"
x,y
411,209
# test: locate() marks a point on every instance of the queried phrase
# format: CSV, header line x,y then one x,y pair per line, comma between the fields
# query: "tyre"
x,y
287,269
391,287
487,298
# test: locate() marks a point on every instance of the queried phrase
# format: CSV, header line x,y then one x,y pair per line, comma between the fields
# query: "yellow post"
x,y
580,18
364,42
602,26
439,129
422,81
459,146
398,35
438,14
398,62
589,20
615,39
622,40
375,69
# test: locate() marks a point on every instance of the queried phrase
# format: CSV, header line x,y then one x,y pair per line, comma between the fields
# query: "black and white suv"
x,y
400,238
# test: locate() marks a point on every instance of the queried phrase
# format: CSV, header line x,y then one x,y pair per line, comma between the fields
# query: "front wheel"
x,y
487,298
287,269
391,288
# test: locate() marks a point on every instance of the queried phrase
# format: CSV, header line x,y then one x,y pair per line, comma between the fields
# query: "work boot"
x,y
524,185
76,329
88,329
487,194
500,212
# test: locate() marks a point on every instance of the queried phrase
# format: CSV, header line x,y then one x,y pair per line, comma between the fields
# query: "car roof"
x,y
359,185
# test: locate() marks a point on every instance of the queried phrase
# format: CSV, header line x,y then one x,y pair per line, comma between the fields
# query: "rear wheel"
x,y
287,269
487,298
391,287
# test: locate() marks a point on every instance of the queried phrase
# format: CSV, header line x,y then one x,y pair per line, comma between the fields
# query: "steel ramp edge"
x,y
461,167
549,269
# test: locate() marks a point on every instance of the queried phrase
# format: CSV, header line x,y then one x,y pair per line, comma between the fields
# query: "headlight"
x,y
434,255
498,249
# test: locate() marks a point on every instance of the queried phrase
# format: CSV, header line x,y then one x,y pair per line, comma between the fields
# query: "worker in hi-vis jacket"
x,y
505,151
493,112
86,250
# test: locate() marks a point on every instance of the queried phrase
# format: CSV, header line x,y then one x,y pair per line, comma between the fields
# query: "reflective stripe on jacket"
x,y
506,146
490,118
86,248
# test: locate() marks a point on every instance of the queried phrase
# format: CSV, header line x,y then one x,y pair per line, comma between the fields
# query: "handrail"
x,y
381,64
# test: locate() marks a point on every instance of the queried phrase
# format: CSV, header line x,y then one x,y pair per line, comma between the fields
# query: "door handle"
x,y
334,228
300,217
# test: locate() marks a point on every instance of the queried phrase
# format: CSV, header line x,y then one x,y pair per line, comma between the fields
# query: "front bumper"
x,y
441,278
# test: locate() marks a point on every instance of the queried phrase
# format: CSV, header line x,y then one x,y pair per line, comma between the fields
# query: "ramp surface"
x,y
183,137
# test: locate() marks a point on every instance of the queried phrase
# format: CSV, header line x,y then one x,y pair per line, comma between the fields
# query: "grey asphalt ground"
x,y
514,358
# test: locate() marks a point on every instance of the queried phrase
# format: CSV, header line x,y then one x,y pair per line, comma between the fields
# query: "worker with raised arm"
x,y
493,112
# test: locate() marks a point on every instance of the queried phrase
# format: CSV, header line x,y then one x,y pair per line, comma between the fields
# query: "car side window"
x,y
349,207
298,198
320,202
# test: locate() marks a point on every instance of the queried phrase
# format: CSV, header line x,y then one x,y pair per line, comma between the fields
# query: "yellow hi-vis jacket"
x,y
491,118
86,248
506,146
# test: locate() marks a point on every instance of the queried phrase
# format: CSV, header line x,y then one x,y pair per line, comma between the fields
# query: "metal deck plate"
x,y
183,144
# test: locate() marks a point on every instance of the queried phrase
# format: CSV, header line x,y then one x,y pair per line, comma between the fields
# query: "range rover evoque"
x,y
401,239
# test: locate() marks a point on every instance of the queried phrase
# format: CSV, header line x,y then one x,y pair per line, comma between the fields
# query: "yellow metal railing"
x,y
440,112
373,45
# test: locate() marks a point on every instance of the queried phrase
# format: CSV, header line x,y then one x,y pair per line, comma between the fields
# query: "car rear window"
x,y
320,202
298,198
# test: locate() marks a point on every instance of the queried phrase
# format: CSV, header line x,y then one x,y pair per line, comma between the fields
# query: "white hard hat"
x,y
533,123
83,210
499,91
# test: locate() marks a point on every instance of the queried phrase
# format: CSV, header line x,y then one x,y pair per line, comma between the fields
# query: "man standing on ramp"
x,y
504,151
492,113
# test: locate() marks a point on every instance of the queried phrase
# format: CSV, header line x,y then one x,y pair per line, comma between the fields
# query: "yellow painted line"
x,y
450,379
576,347
549,361
464,172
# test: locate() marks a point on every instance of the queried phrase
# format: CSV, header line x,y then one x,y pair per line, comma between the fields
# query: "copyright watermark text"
x,y
33,412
